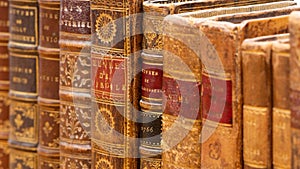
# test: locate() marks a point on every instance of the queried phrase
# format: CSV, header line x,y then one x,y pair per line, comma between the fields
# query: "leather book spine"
x,y
48,99
151,88
75,83
282,149
4,70
155,11
257,98
226,33
151,111
181,119
23,68
294,86
115,56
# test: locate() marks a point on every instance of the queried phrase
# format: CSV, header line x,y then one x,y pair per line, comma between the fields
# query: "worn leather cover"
x,y
257,98
48,100
23,63
116,46
153,28
219,38
182,88
223,147
74,88
232,30
281,129
294,29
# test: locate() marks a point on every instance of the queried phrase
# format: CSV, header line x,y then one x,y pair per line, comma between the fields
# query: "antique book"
x,y
294,95
151,87
115,54
75,83
257,100
23,68
227,136
48,88
4,71
221,103
281,114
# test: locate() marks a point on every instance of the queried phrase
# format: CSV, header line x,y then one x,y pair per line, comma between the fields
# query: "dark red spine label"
x,y
152,81
182,98
217,99
109,78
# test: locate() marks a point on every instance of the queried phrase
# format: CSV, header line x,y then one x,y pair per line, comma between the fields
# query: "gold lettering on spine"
x,y
23,38
46,27
49,78
19,29
75,24
49,39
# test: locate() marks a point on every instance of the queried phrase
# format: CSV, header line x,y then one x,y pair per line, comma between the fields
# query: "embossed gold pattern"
x,y
104,121
22,159
105,28
23,122
103,163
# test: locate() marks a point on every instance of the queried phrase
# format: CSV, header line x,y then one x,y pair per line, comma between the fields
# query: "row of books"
x,y
153,84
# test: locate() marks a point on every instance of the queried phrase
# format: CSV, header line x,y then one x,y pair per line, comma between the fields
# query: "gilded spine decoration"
x,y
74,84
115,57
23,68
48,99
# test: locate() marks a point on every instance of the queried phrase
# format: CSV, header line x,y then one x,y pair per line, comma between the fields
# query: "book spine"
x,y
48,100
23,63
155,12
74,85
151,111
294,94
182,89
256,61
151,89
115,58
221,141
4,71
224,146
281,105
